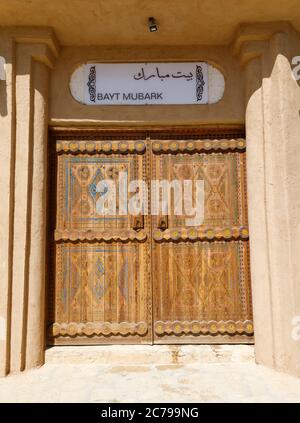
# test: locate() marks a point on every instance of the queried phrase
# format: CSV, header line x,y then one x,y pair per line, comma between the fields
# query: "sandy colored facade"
x,y
41,48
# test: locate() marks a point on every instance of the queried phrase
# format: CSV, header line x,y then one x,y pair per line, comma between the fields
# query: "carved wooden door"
x,y
156,278
201,279
101,289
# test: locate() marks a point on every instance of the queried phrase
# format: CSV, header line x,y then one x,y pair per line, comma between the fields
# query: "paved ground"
x,y
223,375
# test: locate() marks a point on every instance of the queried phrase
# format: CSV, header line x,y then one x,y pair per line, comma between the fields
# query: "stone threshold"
x,y
149,354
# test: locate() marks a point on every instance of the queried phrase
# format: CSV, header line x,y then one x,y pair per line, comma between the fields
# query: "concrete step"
x,y
150,354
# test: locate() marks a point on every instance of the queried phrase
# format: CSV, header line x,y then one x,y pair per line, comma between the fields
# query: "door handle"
x,y
138,222
163,223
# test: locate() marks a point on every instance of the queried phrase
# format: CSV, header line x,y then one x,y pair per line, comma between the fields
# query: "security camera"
x,y
152,24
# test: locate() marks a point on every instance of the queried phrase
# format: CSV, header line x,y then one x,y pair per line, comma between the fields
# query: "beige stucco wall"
x,y
124,22
260,92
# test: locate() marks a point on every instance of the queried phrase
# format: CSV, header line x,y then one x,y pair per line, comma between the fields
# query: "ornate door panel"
x,y
201,279
163,277
101,290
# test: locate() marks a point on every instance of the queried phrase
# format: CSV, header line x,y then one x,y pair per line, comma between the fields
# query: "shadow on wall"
x,y
3,88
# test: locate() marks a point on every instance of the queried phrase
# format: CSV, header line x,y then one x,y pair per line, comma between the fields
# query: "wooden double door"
x,y
148,278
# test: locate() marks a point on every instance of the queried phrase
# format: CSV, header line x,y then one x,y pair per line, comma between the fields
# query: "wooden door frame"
x,y
126,132
201,131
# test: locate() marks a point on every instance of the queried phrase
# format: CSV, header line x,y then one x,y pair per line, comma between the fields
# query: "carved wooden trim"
x,y
202,233
216,131
106,236
196,327
194,146
106,147
96,329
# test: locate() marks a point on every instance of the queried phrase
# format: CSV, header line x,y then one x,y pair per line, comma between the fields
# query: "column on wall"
x,y
29,56
273,157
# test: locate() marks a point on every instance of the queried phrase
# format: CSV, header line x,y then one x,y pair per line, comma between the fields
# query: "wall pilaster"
x,y
272,128
29,56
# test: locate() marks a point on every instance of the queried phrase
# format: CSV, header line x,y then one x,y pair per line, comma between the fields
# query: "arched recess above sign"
x,y
147,83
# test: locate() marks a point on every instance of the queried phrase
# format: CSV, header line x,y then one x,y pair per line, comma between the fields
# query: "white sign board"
x,y
147,83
